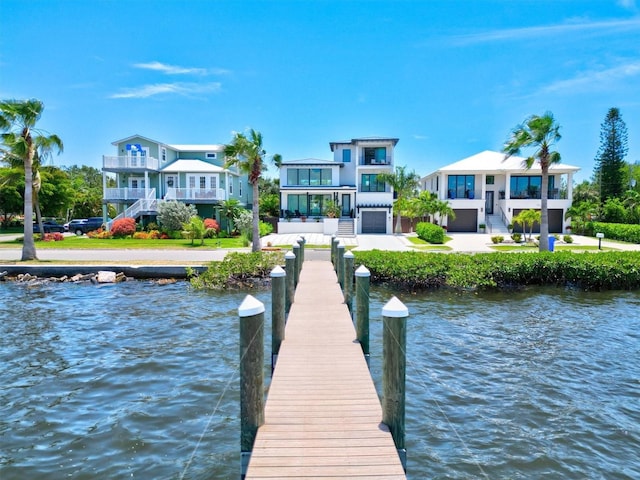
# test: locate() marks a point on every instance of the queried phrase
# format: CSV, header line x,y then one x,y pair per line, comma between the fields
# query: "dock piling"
x,y
348,281
363,278
289,268
251,313
394,367
278,300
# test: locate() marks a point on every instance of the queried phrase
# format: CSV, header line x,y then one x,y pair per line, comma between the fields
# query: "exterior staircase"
x,y
495,225
144,206
345,227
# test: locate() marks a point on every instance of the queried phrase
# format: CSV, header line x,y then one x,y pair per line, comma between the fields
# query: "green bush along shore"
x,y
587,271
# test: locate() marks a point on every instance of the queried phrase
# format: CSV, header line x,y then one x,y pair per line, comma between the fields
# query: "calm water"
x,y
139,381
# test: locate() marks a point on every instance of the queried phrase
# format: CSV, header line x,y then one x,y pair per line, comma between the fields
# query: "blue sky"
x,y
448,78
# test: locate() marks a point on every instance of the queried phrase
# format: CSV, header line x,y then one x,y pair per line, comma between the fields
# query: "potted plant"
x,y
482,227
303,218
510,227
332,209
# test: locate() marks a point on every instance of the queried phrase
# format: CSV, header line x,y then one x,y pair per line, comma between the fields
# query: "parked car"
x,y
70,226
91,224
49,226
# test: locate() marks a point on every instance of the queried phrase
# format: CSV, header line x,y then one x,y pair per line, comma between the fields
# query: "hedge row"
x,y
615,231
587,271
237,270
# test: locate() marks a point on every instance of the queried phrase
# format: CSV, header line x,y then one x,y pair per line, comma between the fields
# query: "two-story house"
x,y
487,189
349,180
147,172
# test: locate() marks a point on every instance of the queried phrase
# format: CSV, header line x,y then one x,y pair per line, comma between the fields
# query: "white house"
x,y
350,180
488,189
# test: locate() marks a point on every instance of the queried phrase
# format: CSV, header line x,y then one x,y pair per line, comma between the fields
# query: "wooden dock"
x,y
322,415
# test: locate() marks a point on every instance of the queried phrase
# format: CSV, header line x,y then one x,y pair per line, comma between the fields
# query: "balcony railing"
x,y
374,161
125,193
132,163
195,194
554,194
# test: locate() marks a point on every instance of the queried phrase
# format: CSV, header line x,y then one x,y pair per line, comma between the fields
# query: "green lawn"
x,y
86,243
534,248
420,244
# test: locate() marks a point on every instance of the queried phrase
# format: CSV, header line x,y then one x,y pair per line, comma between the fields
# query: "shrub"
x,y
100,233
194,228
172,215
154,234
211,228
430,233
516,237
141,235
615,231
238,269
123,227
265,228
567,239
53,237
151,226
497,239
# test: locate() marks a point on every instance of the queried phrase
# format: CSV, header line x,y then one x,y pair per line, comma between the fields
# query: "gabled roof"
x,y
311,161
192,166
137,136
364,141
495,162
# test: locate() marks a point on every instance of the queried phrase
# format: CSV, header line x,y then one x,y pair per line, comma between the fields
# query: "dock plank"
x,y
323,415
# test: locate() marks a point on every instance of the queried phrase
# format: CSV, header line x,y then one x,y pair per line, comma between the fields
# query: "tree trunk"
x,y
28,244
544,213
255,247
399,224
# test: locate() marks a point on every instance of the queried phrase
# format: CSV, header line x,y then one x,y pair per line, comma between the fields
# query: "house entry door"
x,y
346,205
488,203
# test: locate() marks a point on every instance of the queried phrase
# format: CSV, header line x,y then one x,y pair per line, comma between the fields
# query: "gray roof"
x,y
311,161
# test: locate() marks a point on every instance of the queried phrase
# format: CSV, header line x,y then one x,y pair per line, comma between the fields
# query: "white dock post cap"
x,y
395,309
362,271
278,271
349,255
295,245
289,255
340,245
250,306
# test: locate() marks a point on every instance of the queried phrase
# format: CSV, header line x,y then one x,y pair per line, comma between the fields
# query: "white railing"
x,y
148,204
133,163
124,193
195,194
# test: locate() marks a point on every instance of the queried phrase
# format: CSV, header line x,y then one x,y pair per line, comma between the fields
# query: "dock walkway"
x,y
322,415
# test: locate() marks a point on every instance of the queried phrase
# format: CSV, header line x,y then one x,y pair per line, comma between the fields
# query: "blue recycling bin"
x,y
552,242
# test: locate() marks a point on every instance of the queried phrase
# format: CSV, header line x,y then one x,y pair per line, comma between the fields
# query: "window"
x,y
370,183
297,204
375,156
163,154
529,186
309,176
490,180
211,155
231,186
240,188
461,186
346,156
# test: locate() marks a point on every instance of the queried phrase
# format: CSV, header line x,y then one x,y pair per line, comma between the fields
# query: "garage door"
x,y
374,222
555,221
466,220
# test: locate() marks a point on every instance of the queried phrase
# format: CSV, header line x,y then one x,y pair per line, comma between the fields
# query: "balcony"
x,y
129,163
126,193
374,162
195,194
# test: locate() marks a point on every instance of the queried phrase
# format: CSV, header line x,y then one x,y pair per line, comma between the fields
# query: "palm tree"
x,y
540,133
23,141
247,152
527,218
404,186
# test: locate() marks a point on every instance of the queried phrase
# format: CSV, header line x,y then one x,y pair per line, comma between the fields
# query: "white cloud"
x,y
180,88
420,137
628,4
595,79
177,70
513,34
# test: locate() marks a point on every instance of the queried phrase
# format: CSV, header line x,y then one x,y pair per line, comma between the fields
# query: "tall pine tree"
x,y
609,171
